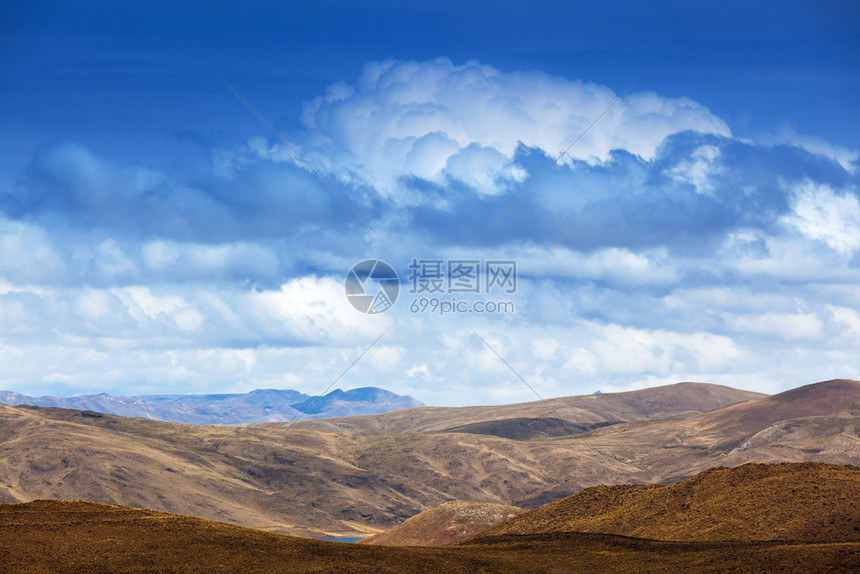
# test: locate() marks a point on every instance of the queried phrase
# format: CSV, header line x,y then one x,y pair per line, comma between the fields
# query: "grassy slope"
x,y
789,501
78,537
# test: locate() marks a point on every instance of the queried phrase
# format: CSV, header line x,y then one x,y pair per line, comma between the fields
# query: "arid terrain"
x,y
361,475
775,532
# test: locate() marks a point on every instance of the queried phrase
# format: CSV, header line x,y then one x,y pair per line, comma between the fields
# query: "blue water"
x,y
340,539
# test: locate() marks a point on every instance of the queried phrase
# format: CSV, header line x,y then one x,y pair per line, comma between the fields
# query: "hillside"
x,y
83,537
818,422
308,483
835,398
79,537
262,405
452,522
800,501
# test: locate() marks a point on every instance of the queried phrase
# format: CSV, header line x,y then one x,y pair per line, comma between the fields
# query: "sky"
x,y
677,181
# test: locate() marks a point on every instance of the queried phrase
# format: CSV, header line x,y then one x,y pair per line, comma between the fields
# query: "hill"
x,y
262,405
817,422
805,501
452,522
83,537
835,398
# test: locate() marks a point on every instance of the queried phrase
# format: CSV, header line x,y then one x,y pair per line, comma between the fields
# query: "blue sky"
x,y
155,236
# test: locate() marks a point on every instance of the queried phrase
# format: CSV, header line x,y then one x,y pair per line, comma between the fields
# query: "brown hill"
x,y
452,522
81,537
817,423
836,398
805,501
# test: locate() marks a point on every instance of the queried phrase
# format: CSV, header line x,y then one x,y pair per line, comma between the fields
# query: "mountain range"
x,y
263,405
356,476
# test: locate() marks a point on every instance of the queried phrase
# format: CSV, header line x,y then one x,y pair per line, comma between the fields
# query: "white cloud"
x,y
787,326
613,264
734,298
29,254
848,318
787,134
444,122
150,304
309,309
198,259
823,215
631,351
698,169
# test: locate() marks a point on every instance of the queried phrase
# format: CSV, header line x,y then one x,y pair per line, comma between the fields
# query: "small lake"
x,y
341,539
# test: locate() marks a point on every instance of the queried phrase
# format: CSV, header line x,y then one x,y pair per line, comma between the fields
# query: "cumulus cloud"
x,y
448,123
787,134
825,216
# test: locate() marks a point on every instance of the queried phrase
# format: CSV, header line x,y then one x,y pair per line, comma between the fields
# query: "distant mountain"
x,y
263,405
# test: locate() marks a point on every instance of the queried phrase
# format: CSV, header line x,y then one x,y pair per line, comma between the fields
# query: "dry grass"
x,y
83,537
807,502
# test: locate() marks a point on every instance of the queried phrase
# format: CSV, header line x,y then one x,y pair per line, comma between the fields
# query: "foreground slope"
x,y
81,537
789,501
452,522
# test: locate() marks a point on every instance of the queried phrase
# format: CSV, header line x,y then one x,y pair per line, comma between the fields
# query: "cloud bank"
x,y
659,248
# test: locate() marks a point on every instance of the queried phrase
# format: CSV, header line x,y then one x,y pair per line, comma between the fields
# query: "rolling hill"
x,y
358,481
818,422
585,411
